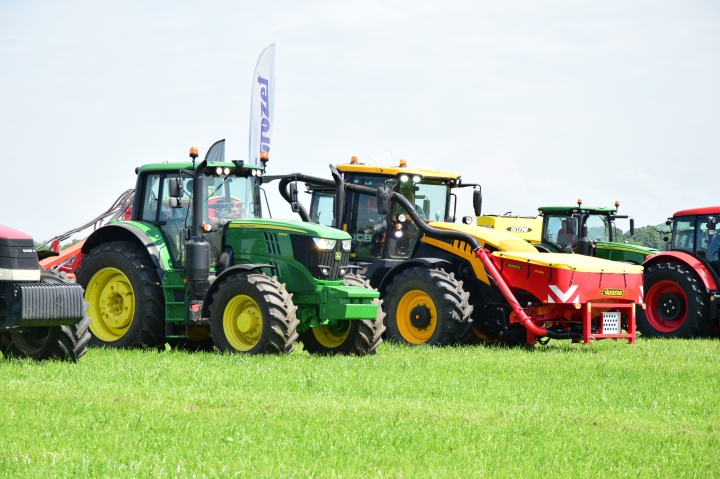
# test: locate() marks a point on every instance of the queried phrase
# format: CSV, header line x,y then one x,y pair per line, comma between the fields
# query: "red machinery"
x,y
681,285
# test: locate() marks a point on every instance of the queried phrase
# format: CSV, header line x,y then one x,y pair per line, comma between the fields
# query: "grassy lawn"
x,y
650,410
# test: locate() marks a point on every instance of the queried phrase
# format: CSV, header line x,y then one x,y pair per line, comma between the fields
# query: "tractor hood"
x,y
496,238
291,226
627,247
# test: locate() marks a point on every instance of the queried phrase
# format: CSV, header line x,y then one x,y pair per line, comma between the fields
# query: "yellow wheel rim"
x,y
242,322
416,306
112,304
329,338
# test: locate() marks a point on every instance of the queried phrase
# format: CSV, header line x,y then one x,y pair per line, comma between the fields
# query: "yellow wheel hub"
x,y
332,338
416,317
112,304
242,322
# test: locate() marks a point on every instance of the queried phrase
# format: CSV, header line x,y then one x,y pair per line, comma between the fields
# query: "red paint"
x,y
10,233
690,260
707,210
652,300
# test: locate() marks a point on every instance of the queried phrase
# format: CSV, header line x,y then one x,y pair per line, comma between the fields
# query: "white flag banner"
x,y
262,104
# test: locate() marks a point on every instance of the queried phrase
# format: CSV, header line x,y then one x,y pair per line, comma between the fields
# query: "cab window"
x,y
322,208
683,237
598,227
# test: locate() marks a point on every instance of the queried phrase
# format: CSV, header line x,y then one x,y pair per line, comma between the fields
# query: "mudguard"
x,y
701,270
145,235
238,268
412,263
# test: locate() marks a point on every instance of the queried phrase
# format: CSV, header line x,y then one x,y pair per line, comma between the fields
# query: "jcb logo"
x,y
612,292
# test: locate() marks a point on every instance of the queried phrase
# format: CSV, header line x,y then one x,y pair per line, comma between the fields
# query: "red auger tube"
x,y
484,256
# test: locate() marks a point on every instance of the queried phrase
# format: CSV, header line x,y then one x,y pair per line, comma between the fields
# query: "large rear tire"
x,y
126,299
427,306
64,343
355,337
253,314
676,303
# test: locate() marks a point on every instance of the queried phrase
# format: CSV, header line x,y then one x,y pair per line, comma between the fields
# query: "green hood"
x,y
293,226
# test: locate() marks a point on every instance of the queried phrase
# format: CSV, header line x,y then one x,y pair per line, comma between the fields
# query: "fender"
x,y
412,263
238,268
679,257
134,234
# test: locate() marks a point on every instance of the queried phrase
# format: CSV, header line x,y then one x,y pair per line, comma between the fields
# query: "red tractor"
x,y
42,314
681,284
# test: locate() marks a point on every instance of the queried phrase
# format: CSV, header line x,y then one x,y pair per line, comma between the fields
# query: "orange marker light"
x,y
207,228
353,160
193,152
264,156
617,203
579,201
403,163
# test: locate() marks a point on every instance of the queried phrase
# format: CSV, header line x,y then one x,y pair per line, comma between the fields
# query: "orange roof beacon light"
x,y
579,202
353,160
403,163
264,157
193,152
617,205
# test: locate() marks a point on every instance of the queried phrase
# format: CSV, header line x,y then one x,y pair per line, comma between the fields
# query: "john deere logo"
x,y
519,229
612,292
513,266
338,256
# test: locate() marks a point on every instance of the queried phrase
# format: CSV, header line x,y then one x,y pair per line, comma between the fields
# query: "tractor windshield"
x,y
598,227
429,198
231,198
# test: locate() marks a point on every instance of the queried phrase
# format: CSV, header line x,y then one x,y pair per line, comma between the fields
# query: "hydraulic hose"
x,y
283,187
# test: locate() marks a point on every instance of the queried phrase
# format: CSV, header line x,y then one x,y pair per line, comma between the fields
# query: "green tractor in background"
x,y
588,230
195,260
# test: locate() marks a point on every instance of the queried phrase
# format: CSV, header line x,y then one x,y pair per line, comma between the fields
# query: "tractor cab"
x,y
695,232
378,236
227,192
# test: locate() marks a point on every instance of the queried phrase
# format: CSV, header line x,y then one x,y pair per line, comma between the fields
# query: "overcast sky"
x,y
541,102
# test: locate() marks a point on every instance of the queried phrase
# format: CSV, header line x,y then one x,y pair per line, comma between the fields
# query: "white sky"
x,y
541,102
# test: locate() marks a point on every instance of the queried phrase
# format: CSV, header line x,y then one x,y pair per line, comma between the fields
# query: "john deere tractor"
x,y
436,276
42,314
588,230
196,260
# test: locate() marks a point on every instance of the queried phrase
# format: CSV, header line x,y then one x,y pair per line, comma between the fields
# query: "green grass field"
x,y
562,410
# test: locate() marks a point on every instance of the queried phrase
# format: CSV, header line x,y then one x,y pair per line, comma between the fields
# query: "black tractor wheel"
x,y
676,303
253,314
126,299
65,343
356,337
427,306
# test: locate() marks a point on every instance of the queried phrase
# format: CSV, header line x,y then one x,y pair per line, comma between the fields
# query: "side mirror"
x,y
175,187
294,205
176,202
570,225
426,208
467,220
632,226
383,201
712,223
477,202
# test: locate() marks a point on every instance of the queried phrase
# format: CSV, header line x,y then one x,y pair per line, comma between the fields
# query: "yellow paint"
x,y
329,338
242,322
407,303
396,170
464,251
514,225
501,240
577,262
111,302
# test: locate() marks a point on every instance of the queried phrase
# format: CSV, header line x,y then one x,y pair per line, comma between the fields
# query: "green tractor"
x,y
195,260
588,230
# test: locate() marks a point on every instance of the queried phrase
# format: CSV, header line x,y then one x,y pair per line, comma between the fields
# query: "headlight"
x,y
346,245
404,178
218,171
402,218
398,234
323,243
416,179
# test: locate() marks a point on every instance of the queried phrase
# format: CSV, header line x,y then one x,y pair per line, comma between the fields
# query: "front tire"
x,y
676,303
353,337
427,306
126,300
253,314
64,343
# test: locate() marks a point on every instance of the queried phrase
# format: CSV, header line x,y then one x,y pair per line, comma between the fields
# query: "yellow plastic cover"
x,y
529,229
577,262
501,240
